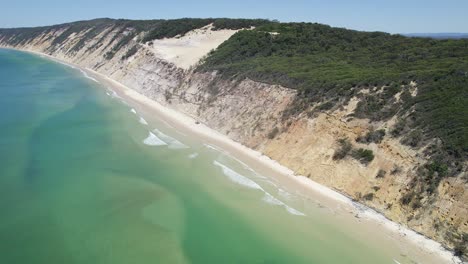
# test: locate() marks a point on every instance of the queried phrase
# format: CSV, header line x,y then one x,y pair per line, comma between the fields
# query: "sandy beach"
x,y
416,243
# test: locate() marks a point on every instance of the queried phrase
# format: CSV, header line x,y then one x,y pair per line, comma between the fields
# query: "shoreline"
x,y
239,151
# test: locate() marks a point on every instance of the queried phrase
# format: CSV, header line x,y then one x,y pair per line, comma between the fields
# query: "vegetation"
x,y
395,170
413,139
365,156
372,136
381,174
461,247
273,133
121,43
318,58
344,148
132,51
368,197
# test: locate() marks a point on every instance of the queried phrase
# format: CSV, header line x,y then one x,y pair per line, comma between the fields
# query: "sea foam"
x,y
213,148
143,121
236,177
268,198
153,140
193,155
87,76
172,142
242,180
293,211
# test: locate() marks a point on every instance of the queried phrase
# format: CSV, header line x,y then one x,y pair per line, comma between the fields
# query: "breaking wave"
x,y
271,200
237,178
87,76
193,155
143,121
153,140
242,180
172,142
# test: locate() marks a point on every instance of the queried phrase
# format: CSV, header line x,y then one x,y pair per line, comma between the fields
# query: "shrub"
x,y
167,95
407,198
372,136
273,133
381,174
130,52
365,156
109,55
325,106
416,203
398,128
395,170
461,247
343,149
368,197
431,174
413,139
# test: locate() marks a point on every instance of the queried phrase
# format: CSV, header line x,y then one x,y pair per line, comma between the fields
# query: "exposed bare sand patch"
x,y
187,50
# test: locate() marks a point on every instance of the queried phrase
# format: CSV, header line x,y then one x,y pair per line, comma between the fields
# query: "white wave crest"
x,y
293,211
114,94
133,111
87,76
66,64
193,155
268,198
271,200
212,147
153,140
284,193
143,121
172,142
236,177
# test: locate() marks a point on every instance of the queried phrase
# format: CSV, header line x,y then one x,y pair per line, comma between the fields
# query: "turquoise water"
x,y
78,184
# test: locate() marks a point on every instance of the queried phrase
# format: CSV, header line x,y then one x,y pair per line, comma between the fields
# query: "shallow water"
x,y
85,179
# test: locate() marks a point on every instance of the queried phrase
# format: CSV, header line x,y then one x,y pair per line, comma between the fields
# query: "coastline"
x,y
250,156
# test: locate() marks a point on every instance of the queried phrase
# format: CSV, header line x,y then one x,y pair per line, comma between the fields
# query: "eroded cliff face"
x,y
253,114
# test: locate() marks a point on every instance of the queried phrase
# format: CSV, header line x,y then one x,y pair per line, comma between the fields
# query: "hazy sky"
x,y
394,16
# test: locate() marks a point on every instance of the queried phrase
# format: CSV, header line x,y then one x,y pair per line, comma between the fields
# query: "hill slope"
x,y
379,117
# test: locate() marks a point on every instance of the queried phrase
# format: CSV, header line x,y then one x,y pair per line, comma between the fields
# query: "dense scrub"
x,y
314,57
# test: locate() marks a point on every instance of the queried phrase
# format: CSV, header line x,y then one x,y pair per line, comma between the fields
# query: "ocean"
x,y
85,178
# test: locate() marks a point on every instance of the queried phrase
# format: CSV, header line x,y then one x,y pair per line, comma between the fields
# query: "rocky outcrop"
x,y
253,113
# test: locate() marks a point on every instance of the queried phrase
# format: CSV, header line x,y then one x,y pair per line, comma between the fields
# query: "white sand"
x,y
187,50
177,119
